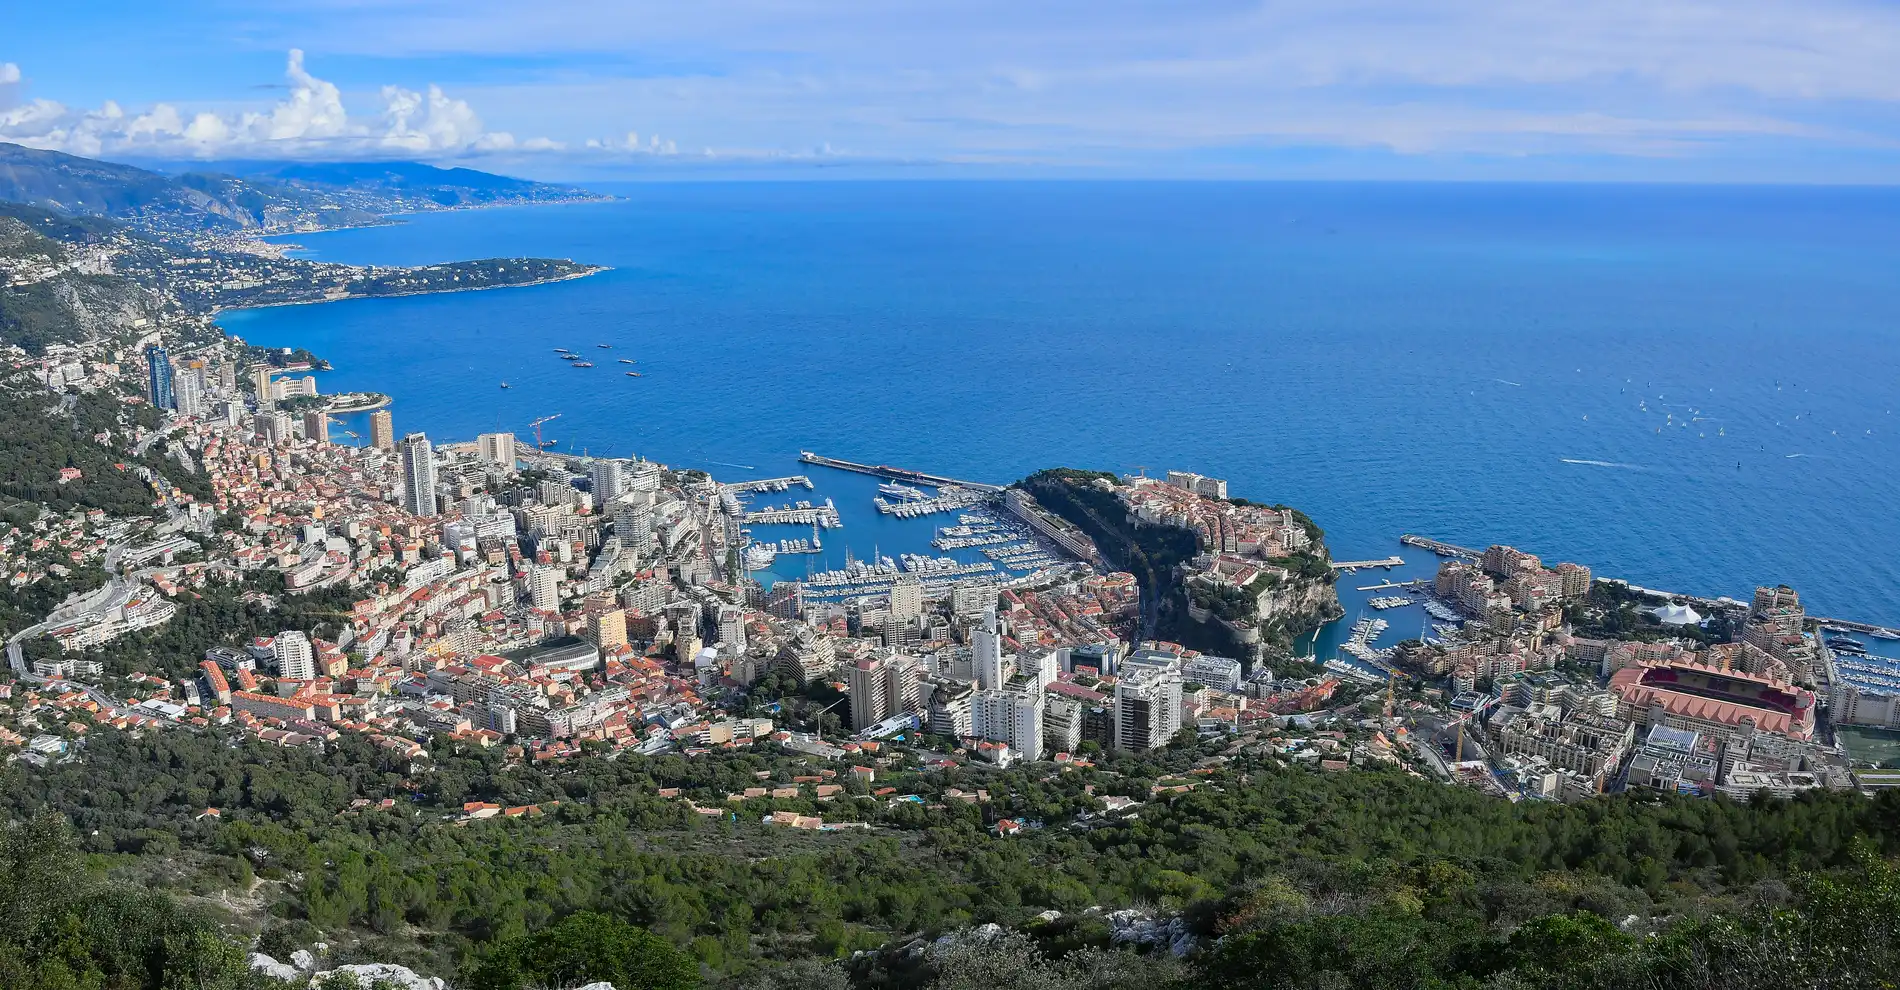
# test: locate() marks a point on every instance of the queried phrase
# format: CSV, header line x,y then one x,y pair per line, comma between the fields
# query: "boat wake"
x,y
1607,464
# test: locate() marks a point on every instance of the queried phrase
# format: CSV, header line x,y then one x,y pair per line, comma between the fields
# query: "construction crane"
x,y
536,426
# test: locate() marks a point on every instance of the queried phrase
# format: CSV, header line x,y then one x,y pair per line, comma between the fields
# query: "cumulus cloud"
x,y
310,121
630,144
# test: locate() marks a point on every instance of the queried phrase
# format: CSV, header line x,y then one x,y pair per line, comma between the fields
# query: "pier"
x,y
1349,566
950,498
1868,628
825,516
1383,585
1441,549
772,484
893,473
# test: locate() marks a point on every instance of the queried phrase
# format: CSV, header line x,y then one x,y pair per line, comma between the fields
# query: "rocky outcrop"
x,y
1270,616
302,971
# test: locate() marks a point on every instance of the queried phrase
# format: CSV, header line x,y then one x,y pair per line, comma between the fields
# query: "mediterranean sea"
x,y
1693,388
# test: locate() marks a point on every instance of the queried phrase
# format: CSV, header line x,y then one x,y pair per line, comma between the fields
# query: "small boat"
x,y
626,360
560,350
1884,634
633,374
545,444
506,385
607,346
583,364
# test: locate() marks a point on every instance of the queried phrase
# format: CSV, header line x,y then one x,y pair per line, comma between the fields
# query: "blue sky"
x,y
1661,89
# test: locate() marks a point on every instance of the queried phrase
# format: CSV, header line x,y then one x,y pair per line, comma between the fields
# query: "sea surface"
x,y
1692,388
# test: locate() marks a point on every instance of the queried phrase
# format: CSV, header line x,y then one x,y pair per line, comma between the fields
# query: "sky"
x,y
1660,90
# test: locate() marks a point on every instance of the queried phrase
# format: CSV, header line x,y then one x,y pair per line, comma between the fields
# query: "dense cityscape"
x,y
473,631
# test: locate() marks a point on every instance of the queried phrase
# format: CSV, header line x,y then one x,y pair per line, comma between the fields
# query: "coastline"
x,y
592,270
1709,583
351,410
398,219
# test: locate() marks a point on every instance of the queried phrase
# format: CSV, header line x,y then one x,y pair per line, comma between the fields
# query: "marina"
x,y
1359,645
949,498
1389,601
798,513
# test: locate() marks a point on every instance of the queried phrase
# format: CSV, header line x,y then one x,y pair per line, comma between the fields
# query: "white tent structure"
x,y
1676,615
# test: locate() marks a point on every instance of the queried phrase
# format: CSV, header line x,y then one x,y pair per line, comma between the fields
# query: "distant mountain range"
x,y
261,196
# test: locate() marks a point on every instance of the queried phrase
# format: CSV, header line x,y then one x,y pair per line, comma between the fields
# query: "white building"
x,y
544,588
1219,673
987,643
418,475
732,628
907,598
1012,715
1147,702
496,448
296,660
610,481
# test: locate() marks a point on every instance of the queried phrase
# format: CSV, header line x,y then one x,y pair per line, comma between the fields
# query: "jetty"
x,y
1349,566
1389,583
893,473
1440,548
825,516
772,484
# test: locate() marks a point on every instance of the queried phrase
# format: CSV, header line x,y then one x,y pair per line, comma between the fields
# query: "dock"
x,y
893,473
1349,566
950,498
824,516
1440,548
1867,628
772,484
1383,585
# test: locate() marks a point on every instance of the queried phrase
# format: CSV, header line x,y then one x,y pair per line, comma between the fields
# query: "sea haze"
x,y
1689,387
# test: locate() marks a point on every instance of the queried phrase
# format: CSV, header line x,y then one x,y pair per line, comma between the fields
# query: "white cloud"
x,y
1085,79
311,121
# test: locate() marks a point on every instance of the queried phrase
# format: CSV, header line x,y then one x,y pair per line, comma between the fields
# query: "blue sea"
x,y
1692,388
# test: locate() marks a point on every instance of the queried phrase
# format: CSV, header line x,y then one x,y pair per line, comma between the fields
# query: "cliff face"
x,y
1240,623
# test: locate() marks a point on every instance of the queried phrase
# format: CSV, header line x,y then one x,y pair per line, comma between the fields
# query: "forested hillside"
x,y
1371,877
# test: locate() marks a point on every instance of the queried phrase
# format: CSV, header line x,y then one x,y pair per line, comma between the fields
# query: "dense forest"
x,y
42,433
1372,877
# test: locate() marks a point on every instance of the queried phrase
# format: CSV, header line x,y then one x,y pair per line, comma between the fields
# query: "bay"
x,y
1688,387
